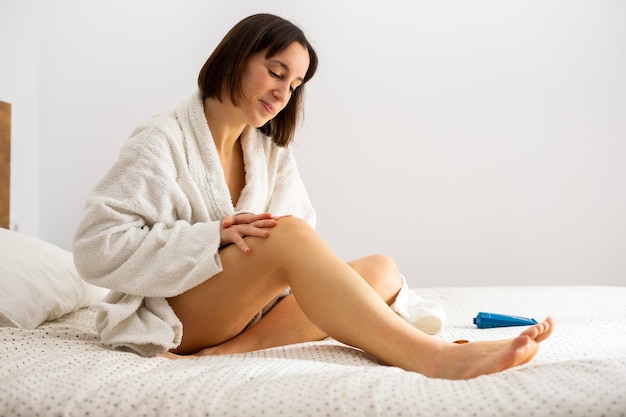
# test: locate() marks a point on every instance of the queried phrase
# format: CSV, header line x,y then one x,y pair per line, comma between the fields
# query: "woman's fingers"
x,y
259,220
266,223
236,234
247,218
241,244
236,227
250,230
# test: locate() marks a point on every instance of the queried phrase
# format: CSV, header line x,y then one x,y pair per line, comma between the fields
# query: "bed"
x,y
52,363
58,367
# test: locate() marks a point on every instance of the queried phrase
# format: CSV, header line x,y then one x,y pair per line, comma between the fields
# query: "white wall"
x,y
477,142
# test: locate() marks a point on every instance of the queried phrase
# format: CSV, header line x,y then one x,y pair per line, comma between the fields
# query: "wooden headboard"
x,y
5,163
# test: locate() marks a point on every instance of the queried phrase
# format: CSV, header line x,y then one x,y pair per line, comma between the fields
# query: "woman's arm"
x,y
136,235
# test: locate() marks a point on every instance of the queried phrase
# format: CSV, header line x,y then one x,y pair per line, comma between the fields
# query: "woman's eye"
x,y
280,77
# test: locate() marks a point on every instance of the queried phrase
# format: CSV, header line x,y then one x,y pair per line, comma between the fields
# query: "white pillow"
x,y
38,282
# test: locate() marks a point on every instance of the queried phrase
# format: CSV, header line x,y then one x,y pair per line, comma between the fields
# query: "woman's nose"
x,y
282,92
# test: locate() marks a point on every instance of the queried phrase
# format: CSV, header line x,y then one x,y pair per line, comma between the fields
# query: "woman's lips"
x,y
268,107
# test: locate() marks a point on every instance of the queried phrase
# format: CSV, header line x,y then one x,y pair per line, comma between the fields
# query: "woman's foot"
x,y
469,360
229,347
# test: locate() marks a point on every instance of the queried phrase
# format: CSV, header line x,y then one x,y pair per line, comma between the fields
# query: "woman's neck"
x,y
224,123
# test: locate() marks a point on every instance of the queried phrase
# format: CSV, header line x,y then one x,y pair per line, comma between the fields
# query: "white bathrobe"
x,y
151,226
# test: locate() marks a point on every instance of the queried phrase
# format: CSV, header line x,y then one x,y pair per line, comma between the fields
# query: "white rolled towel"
x,y
426,315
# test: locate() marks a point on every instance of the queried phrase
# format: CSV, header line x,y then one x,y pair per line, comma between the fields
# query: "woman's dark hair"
x,y
224,67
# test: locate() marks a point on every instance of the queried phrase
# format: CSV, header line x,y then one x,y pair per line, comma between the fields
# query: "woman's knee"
x,y
381,272
379,264
287,240
292,229
286,232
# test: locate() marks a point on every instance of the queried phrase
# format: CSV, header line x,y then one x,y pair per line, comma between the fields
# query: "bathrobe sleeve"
x,y
289,194
138,234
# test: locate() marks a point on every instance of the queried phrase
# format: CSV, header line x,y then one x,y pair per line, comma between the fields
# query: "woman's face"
x,y
267,83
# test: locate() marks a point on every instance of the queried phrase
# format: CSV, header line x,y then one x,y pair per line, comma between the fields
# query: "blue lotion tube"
x,y
488,320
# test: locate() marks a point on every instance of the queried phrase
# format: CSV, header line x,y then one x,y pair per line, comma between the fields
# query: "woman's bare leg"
x,y
284,324
287,324
335,298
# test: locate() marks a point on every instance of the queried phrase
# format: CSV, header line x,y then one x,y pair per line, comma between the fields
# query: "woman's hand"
x,y
235,228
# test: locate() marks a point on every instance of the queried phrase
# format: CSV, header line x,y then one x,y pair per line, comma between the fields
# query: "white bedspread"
x,y
60,369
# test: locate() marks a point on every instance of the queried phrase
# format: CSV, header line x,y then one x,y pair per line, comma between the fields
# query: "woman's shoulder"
x,y
265,144
158,128
158,135
278,160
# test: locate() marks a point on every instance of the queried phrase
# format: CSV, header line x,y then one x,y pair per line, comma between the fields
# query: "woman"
x,y
205,233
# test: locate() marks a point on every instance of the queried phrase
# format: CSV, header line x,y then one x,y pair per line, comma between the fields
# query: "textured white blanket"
x,y
62,369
